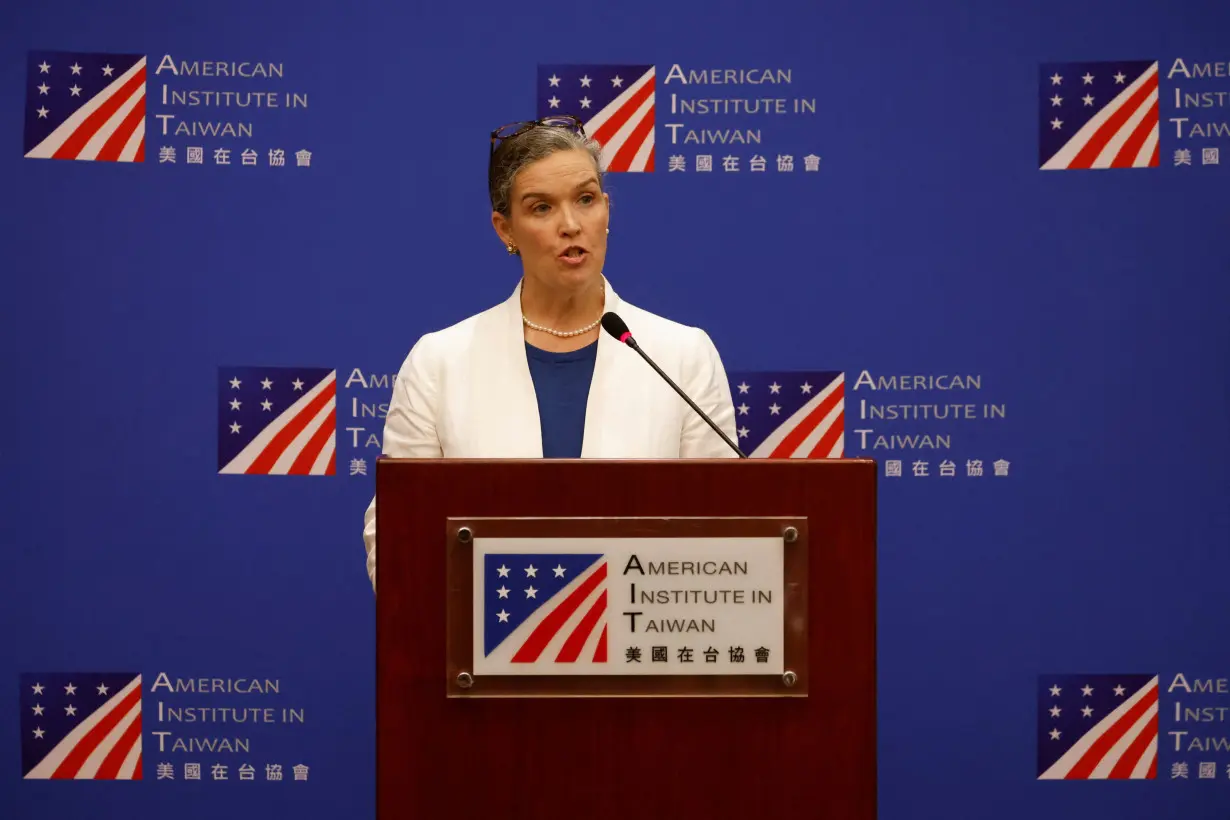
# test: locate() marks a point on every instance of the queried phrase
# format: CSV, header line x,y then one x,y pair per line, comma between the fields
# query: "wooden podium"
x,y
682,754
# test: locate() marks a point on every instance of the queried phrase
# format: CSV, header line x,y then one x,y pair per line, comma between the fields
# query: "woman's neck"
x,y
563,310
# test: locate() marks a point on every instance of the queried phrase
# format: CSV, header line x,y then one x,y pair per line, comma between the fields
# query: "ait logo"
x,y
529,604
85,106
1098,115
277,421
790,414
81,726
615,103
1097,727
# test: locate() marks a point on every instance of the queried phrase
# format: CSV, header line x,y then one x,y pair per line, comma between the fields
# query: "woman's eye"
x,y
587,198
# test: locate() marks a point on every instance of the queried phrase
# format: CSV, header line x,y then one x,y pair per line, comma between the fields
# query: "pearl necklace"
x,y
563,333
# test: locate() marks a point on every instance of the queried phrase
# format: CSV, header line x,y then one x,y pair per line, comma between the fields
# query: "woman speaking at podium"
x,y
537,376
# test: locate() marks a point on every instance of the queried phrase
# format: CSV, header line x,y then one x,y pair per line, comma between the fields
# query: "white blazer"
x,y
466,392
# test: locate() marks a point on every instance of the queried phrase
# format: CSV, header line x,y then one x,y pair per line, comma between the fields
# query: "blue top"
x,y
561,381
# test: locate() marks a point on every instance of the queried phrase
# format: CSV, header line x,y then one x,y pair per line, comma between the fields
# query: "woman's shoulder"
x,y
650,328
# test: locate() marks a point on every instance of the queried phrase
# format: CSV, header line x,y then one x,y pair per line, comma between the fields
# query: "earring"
x,y
608,231
512,250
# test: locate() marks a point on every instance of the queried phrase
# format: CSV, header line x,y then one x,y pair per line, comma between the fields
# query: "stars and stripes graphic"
x,y
790,414
277,421
544,609
85,106
1097,727
615,102
1098,115
81,726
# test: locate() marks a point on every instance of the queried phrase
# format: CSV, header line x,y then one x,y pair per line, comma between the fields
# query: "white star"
x,y
554,102
70,690
297,384
44,88
503,616
1088,78
1056,124
70,710
530,592
559,570
1088,98
1056,711
1055,690
38,709
75,68
38,688
806,387
775,388
743,408
266,384
1087,711
743,388
1119,78
76,91
235,384
235,403
503,591
38,733
1057,100
1055,733
1119,691
108,71
235,428
774,409
102,689
531,572
266,405
42,113
585,81
553,80
1086,690
503,570
1056,79
744,432
617,81
585,101
43,68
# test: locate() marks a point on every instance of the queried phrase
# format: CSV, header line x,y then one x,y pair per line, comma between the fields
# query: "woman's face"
x,y
558,220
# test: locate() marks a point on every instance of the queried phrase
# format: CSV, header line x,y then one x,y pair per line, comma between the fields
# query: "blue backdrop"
x,y
1084,310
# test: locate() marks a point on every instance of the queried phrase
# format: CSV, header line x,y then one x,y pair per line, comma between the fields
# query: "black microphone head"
x,y
615,326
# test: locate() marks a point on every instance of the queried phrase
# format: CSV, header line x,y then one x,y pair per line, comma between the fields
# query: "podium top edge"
x,y
781,462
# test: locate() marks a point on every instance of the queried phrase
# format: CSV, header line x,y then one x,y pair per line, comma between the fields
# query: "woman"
x,y
536,377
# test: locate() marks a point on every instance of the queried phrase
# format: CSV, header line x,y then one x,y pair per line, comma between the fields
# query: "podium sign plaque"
x,y
626,607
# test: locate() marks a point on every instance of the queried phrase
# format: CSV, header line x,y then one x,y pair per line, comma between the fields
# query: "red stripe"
x,y
85,747
1107,131
1152,775
1133,754
140,157
1126,157
332,468
649,165
84,132
1153,164
829,439
540,637
274,449
1089,761
115,758
305,460
610,128
800,433
115,144
627,152
600,649
572,647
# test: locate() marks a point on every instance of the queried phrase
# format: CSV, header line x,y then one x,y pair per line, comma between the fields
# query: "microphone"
x,y
616,326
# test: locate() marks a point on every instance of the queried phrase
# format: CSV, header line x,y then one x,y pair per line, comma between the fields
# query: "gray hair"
x,y
538,143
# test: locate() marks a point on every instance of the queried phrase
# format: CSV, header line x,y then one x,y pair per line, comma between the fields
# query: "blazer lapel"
x,y
507,415
601,410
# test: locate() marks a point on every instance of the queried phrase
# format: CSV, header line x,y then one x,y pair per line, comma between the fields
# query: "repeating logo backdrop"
x,y
267,206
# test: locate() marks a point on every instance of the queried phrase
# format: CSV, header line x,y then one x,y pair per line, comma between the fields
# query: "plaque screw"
x,y
465,535
465,680
789,678
791,535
